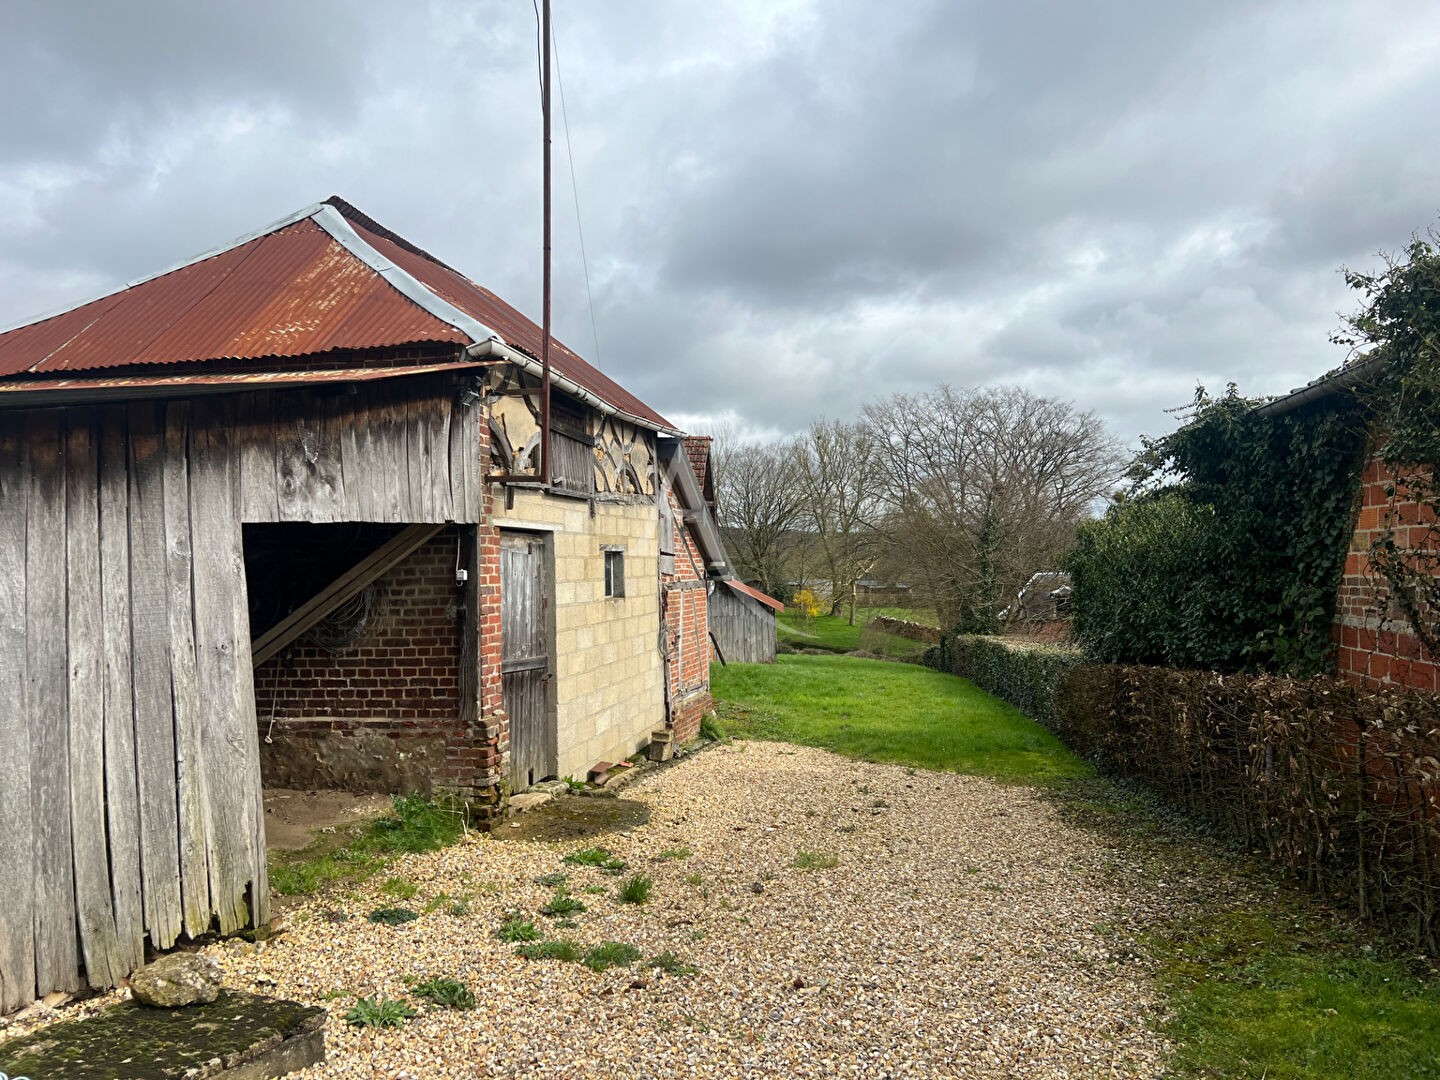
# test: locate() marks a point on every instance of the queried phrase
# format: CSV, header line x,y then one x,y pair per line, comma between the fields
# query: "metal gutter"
x,y
75,390
1326,386
717,559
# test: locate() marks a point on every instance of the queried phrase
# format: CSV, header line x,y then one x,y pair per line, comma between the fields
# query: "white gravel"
x,y
966,931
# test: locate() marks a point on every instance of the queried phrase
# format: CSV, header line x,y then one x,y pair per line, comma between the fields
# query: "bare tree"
x,y
985,487
758,499
839,476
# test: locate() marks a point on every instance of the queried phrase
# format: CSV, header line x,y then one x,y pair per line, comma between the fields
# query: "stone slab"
x,y
236,1037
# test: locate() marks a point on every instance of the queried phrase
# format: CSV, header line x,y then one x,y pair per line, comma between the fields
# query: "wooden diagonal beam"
x,y
343,588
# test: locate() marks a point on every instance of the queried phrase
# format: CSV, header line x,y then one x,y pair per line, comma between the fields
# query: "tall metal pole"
x,y
545,287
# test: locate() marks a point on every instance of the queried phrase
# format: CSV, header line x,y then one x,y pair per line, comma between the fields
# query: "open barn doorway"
x,y
357,636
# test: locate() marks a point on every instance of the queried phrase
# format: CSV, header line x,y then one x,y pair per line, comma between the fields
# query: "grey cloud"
x,y
788,207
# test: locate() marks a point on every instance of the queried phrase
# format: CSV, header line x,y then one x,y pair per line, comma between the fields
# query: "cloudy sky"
x,y
789,207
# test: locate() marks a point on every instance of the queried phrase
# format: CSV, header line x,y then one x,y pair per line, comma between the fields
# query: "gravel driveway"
x,y
961,932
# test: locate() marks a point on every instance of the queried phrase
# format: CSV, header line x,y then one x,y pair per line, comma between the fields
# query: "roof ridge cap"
x,y
356,216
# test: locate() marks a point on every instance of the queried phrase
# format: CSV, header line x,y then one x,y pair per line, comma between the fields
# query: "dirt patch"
x,y
575,818
293,818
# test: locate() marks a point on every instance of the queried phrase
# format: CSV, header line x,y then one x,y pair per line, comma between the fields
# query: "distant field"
x,y
835,634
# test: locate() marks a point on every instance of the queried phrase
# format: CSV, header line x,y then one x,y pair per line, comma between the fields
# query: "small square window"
x,y
614,573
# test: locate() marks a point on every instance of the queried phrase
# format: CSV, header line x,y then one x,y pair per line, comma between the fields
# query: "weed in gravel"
x,y
561,904
670,964
573,784
516,929
378,1012
448,902
459,909
814,860
593,890
550,949
449,993
416,825
553,881
610,954
636,889
393,916
334,995
595,856
565,924
670,854
399,888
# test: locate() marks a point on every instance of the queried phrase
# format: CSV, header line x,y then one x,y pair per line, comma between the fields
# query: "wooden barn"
x,y
275,517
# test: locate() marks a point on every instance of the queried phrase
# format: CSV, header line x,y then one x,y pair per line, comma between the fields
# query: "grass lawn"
x,y
881,711
1278,989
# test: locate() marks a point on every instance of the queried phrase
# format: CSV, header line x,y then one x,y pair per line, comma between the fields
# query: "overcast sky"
x,y
788,207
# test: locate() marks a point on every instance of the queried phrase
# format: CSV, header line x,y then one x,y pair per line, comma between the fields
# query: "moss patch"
x,y
142,1043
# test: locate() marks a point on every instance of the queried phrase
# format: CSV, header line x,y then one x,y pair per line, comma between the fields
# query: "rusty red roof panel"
x,y
756,594
291,292
294,292
515,328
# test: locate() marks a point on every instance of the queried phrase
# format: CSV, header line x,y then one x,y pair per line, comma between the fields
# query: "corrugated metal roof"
x,y
755,594
300,288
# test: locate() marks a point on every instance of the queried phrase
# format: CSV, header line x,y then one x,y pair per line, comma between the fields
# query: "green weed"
x,y
670,964
562,903
550,949
446,992
378,1012
611,954
517,929
392,916
636,889
814,860
595,856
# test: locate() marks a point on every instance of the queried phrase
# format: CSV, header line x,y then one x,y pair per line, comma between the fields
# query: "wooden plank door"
x,y
526,656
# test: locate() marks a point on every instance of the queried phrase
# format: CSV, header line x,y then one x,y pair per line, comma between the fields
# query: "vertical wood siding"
x,y
744,628
131,808
525,659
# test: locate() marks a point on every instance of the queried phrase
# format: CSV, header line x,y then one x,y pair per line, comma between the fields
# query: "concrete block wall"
x,y
609,693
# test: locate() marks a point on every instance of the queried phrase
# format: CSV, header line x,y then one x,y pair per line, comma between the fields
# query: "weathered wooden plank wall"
x,y
744,628
133,808
387,452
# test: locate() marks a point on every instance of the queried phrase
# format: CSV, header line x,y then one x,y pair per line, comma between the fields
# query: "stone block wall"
x,y
609,691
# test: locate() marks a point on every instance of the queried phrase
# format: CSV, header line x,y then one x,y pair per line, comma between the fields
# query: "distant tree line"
x,y
960,494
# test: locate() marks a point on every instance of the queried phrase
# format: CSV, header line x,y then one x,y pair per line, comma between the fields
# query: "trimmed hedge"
x,y
1338,783
1022,673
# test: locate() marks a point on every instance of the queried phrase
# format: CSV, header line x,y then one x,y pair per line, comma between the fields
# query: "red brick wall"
x,y
406,668
687,633
1369,652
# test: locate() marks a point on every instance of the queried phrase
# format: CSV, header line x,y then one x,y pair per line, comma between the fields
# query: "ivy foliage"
x,y
1227,550
1398,329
